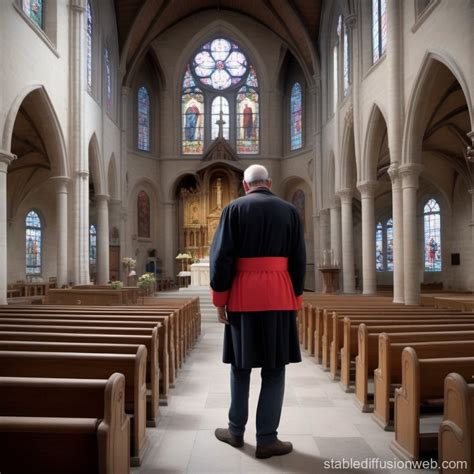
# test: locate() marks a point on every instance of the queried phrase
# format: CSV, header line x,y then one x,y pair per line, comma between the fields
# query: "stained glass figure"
x,y
220,111
247,120
92,247
379,28
108,79
192,110
143,99
389,245
346,61
379,260
34,10
296,118
432,231
143,215
89,45
33,243
220,64
298,200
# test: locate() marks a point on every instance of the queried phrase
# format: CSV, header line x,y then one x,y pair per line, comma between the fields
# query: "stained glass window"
x,y
220,64
89,45
220,111
379,260
247,120
296,118
379,28
346,65
389,244
192,110
432,231
92,247
143,99
33,243
34,10
108,79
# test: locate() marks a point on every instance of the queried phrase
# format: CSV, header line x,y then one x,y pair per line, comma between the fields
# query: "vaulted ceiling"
x,y
296,22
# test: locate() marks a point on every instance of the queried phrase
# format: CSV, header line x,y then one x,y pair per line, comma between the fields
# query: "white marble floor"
x,y
320,420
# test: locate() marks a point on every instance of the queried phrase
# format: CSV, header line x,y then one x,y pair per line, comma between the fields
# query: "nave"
x,y
319,419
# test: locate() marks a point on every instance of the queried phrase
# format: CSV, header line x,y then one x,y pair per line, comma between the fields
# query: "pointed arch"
x,y
348,171
112,178
96,172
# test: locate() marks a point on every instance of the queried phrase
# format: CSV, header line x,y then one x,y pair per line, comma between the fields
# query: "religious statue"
x,y
194,215
219,193
248,122
192,116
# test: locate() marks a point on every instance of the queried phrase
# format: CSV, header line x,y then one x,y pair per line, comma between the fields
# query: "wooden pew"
x,y
91,366
104,327
131,291
347,341
389,371
371,351
152,377
456,432
349,350
422,381
86,297
64,425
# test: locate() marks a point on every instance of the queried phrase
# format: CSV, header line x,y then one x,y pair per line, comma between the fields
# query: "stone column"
x,y
5,161
324,228
369,279
397,217
78,151
471,224
336,230
62,183
410,174
102,202
318,278
348,276
170,239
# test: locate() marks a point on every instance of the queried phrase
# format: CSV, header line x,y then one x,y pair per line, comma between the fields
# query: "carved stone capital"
x,y
367,189
346,195
6,160
410,174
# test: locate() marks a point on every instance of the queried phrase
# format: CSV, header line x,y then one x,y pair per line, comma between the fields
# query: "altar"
x,y
200,274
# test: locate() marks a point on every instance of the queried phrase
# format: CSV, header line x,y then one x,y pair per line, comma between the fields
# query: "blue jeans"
x,y
269,407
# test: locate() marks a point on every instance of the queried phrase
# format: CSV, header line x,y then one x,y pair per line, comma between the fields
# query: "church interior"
x,y
126,127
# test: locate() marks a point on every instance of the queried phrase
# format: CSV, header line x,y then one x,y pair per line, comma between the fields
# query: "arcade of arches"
x,y
126,128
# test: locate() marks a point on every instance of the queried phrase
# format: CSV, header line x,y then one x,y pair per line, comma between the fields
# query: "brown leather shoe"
x,y
277,448
224,435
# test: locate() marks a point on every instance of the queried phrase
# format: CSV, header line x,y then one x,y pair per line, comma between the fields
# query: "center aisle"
x,y
319,419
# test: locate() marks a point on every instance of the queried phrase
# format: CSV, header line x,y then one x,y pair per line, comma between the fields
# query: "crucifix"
x,y
221,122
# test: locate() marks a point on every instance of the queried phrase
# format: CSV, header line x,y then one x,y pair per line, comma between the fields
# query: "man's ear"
x,y
246,186
270,183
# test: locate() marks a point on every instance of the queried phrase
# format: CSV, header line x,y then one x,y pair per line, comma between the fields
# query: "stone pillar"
x,y
102,202
169,249
471,224
62,183
410,174
397,217
78,152
336,230
5,161
369,279
348,276
324,228
318,278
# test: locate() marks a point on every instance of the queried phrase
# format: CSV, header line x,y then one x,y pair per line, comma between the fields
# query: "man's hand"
x,y
222,315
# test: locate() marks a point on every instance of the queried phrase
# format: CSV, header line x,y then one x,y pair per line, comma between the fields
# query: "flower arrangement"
x,y
146,281
116,285
129,262
182,256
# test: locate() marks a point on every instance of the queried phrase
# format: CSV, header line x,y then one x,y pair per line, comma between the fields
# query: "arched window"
x,y
335,63
379,28
108,79
432,232
389,244
143,215
89,33
143,99
379,256
346,62
34,10
220,112
92,248
220,75
296,118
34,239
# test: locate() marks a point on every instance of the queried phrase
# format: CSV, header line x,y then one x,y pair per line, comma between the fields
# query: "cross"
x,y
221,123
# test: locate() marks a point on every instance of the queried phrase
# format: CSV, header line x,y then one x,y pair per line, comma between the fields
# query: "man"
x,y
257,265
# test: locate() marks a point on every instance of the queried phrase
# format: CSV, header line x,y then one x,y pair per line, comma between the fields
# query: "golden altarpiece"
x,y
217,182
